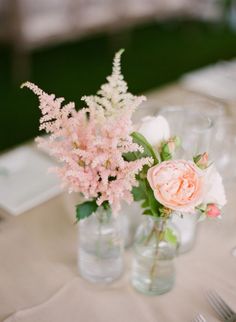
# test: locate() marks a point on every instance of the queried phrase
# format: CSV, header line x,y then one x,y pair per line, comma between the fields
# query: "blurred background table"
x,y
66,47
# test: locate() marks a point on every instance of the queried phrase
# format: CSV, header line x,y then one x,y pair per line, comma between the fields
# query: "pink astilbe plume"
x,y
91,142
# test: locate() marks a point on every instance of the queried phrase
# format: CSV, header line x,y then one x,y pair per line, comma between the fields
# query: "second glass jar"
x,y
153,270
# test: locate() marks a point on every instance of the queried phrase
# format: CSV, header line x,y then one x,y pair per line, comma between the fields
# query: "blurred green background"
x,y
155,54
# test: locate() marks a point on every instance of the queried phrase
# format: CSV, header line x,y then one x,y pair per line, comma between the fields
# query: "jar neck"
x,y
159,222
103,215
155,230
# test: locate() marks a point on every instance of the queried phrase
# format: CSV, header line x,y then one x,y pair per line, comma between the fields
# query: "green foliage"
x,y
170,236
106,205
147,212
197,158
85,209
165,155
165,152
147,149
139,193
145,194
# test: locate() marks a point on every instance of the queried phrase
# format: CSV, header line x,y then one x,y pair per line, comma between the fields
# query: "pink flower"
x,y
212,210
171,146
202,160
177,184
91,143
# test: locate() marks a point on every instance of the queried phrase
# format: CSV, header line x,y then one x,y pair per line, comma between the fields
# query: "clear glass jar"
x,y
153,270
100,251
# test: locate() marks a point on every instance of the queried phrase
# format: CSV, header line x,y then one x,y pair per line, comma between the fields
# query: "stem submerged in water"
x,y
98,244
103,216
159,234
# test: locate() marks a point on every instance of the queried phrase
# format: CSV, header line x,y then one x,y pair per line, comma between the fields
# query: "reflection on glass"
x,y
224,148
193,127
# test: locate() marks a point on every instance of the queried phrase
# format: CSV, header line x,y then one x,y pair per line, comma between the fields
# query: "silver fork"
x,y
199,318
225,313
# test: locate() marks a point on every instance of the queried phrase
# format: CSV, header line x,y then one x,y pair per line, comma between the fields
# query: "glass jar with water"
x,y
100,251
153,270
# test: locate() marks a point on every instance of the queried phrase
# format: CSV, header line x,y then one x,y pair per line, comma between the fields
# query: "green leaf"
x,y
165,156
139,193
145,193
196,158
147,212
165,148
145,204
153,203
85,209
105,205
170,236
148,149
132,156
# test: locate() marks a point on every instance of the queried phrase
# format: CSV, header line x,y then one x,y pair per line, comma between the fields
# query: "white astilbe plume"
x,y
112,99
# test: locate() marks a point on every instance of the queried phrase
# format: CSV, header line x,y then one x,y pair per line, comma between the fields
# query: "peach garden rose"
x,y
177,184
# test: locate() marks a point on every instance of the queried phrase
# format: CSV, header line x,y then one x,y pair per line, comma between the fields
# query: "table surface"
x,y
39,279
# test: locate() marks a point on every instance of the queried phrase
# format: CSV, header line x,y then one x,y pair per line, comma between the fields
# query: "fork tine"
x,y
225,308
223,303
217,306
199,318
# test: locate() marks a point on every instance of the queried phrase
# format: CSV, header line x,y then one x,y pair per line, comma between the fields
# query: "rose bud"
x,y
212,210
169,147
201,160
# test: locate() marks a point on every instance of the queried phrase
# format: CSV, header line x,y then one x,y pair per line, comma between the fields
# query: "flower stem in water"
x,y
159,236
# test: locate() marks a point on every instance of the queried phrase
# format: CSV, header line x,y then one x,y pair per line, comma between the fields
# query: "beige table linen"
x,y
39,280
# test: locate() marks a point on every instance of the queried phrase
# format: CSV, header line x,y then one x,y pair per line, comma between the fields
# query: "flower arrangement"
x,y
91,143
168,185
106,161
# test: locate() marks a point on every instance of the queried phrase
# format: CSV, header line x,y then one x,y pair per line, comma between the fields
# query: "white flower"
x,y
155,129
214,188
